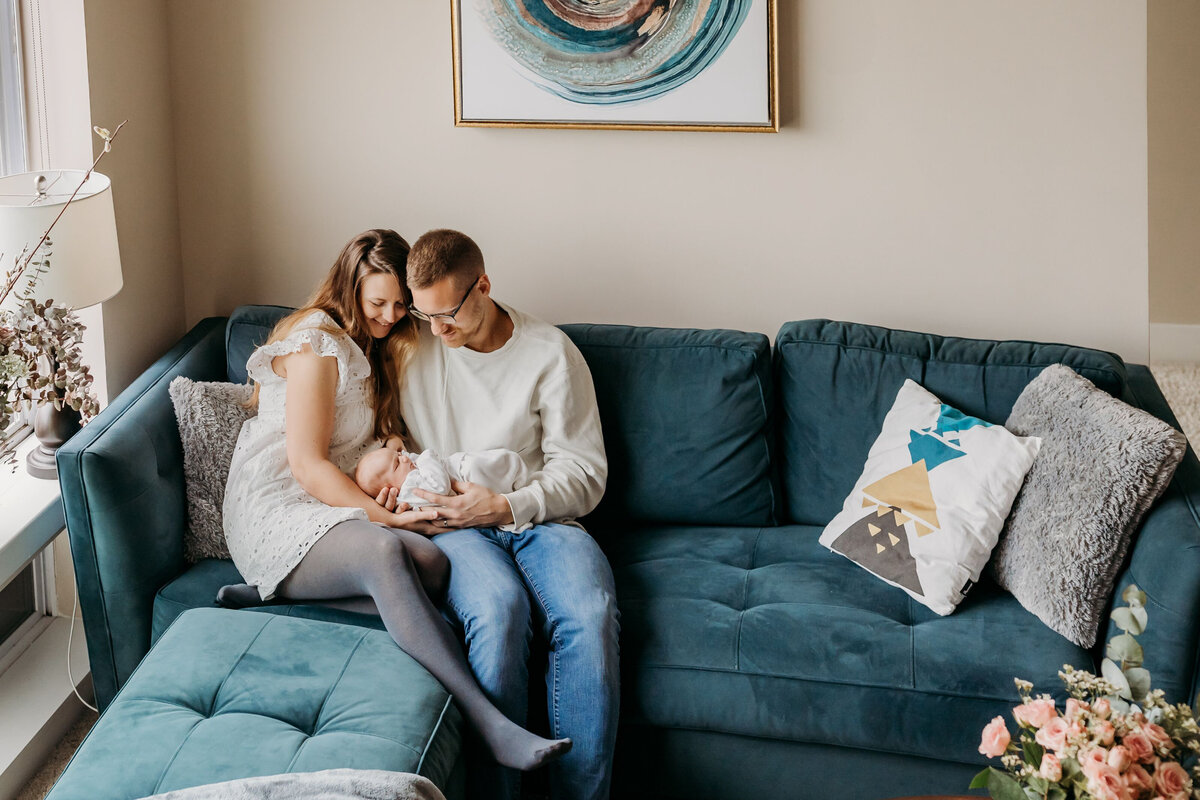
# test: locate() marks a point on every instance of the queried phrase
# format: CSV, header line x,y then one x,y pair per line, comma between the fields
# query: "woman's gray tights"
x,y
357,558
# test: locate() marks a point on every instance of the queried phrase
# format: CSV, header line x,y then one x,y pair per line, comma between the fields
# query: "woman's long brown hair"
x,y
373,252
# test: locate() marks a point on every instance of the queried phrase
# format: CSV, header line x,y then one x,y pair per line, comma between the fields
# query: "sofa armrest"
x,y
1165,564
123,496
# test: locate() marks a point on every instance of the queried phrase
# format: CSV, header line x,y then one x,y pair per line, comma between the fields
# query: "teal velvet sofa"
x,y
755,663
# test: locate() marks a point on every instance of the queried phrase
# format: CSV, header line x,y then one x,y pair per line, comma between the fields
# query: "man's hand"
x,y
474,506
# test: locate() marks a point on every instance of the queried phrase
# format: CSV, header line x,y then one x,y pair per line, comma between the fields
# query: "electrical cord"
x,y
70,638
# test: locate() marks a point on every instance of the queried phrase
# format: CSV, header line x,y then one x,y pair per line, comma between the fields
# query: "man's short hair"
x,y
443,254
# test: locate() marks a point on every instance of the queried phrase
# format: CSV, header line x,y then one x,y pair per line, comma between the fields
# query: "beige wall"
x,y
1174,145
967,168
128,71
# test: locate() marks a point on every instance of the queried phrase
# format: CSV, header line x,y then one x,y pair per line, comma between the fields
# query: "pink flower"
x,y
1139,746
1138,780
1171,779
1076,731
1102,708
1158,737
1075,708
1051,768
1105,732
1119,758
995,738
1053,736
1105,783
1035,713
1093,760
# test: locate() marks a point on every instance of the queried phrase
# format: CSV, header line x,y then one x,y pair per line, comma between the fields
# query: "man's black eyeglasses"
x,y
446,318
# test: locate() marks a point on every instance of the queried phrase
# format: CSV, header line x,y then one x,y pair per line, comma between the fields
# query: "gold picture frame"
x,y
512,86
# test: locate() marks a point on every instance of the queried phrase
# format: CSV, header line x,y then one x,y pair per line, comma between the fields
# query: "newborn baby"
x,y
499,470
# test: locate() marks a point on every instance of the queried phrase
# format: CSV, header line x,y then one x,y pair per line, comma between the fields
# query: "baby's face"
x,y
381,468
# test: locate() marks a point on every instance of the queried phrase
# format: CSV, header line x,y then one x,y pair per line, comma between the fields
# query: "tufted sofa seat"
x,y
229,695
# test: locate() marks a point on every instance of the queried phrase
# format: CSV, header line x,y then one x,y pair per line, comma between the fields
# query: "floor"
x,y
1180,384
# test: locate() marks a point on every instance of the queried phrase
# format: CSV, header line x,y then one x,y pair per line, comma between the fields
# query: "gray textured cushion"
x,y
210,418
1101,466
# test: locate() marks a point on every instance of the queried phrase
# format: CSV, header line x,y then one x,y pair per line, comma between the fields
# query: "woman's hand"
x,y
417,521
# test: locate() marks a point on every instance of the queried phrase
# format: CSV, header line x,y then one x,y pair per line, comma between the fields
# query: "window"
x,y
12,105
12,136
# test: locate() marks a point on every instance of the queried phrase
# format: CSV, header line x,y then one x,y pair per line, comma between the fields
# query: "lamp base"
x,y
52,427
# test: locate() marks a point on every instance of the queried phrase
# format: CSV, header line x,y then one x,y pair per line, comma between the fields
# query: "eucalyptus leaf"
x,y
1112,673
1002,786
1139,613
1125,649
980,781
1139,683
1056,792
1126,620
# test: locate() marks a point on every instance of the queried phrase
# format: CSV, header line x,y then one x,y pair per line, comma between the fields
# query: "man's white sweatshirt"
x,y
533,395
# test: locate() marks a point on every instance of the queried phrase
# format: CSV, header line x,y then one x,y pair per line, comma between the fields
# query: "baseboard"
x,y
1172,342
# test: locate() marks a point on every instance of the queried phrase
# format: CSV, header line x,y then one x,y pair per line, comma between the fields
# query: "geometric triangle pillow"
x,y
932,499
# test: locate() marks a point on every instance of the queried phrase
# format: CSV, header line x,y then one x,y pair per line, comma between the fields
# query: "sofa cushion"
x,y
686,418
227,694
248,327
763,632
836,381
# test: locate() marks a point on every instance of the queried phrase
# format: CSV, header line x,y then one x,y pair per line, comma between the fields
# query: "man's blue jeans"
x,y
551,578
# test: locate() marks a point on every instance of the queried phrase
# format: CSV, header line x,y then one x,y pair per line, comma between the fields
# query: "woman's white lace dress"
x,y
270,521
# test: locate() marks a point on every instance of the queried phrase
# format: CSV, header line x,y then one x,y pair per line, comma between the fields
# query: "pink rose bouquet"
x,y
1114,739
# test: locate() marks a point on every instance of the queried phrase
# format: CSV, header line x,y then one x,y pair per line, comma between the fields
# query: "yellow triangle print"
x,y
923,530
883,511
867,502
875,529
895,541
908,490
879,548
901,520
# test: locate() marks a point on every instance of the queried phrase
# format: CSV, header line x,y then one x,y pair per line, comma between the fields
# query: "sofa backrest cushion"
x,y
248,327
687,423
837,380
686,417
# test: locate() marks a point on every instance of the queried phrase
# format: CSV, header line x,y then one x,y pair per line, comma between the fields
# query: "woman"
x,y
299,528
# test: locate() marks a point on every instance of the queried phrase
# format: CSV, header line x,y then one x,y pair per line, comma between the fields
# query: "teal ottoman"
x,y
233,694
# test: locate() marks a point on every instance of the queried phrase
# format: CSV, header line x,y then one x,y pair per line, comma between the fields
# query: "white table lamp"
x,y
85,264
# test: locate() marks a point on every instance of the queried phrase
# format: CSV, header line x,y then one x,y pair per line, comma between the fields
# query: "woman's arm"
x,y
310,408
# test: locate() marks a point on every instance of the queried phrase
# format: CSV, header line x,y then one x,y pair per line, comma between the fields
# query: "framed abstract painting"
x,y
631,64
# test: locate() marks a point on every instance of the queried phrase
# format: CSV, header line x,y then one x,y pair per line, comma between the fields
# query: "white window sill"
x,y
31,514
37,704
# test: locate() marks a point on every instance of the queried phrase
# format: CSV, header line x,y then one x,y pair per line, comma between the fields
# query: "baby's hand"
x,y
388,497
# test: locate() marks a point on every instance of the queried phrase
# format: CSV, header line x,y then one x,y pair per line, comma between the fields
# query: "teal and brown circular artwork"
x,y
605,52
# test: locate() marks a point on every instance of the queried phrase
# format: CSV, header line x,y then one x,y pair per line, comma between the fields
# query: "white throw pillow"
x,y
928,508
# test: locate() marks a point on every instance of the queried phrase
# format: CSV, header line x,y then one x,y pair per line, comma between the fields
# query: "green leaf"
x,y
1139,613
1125,619
1133,594
1125,649
980,781
1002,786
1112,673
1033,753
1139,683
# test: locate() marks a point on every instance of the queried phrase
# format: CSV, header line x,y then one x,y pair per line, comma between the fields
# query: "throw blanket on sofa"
x,y
330,784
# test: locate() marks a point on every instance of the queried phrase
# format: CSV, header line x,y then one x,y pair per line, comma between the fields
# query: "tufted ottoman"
x,y
232,694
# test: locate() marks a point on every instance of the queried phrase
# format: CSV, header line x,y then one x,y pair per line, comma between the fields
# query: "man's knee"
x,y
492,619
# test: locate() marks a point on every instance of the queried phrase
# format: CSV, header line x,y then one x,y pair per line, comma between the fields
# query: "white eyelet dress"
x,y
270,521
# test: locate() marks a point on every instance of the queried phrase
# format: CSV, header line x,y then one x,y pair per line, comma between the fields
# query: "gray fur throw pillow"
x,y
1102,465
210,418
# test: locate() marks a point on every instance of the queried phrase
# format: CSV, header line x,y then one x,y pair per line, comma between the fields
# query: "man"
x,y
487,376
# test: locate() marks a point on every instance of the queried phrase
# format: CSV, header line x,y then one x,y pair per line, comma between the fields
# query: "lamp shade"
x,y
85,264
